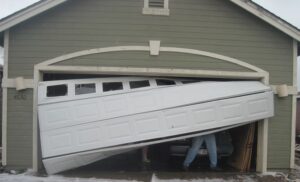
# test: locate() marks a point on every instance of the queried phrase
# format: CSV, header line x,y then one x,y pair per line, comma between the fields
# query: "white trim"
x,y
262,146
262,127
11,83
94,51
294,105
37,76
268,17
154,47
292,90
213,55
150,71
156,11
4,100
147,48
28,13
257,74
262,141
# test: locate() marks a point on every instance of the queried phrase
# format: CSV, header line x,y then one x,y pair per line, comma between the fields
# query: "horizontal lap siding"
x,y
142,59
19,126
210,25
214,26
279,147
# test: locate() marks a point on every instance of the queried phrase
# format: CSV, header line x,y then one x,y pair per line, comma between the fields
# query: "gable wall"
x,y
209,25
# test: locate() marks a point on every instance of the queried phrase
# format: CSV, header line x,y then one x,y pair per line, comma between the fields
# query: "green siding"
x,y
209,25
143,59
19,126
279,147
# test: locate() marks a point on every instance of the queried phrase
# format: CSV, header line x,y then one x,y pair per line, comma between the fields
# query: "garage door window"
x,y
190,81
139,84
163,82
112,86
57,90
85,88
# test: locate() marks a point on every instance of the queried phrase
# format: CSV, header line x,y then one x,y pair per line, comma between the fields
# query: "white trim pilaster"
x,y
294,105
262,141
35,148
4,100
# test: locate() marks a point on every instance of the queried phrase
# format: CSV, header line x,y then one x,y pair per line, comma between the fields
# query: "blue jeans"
x,y
210,141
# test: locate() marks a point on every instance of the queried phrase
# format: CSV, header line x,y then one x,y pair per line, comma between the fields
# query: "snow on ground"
x,y
54,178
237,179
28,177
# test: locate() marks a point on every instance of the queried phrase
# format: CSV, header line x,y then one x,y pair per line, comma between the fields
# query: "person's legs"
x,y
211,146
192,152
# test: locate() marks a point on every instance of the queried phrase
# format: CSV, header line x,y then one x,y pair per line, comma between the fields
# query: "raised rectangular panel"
x,y
257,107
55,142
113,105
54,115
61,140
118,130
177,120
204,115
88,135
86,111
170,98
146,125
142,101
232,111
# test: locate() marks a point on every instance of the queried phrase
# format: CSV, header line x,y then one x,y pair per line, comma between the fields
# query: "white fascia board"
x,y
269,18
28,13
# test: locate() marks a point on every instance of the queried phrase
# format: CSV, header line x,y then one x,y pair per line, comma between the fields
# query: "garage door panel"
x,y
140,127
93,108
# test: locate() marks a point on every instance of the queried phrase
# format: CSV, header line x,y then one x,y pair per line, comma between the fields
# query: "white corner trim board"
x,y
294,104
4,100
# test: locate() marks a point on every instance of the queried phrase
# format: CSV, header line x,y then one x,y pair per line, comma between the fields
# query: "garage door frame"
x,y
50,67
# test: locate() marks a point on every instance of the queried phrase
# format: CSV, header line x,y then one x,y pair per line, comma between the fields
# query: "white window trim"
x,y
156,11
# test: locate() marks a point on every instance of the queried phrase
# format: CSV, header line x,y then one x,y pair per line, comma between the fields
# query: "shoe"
x,y
185,168
216,169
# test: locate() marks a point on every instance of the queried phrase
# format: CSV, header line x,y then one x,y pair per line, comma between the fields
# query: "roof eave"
x,y
29,12
247,5
268,17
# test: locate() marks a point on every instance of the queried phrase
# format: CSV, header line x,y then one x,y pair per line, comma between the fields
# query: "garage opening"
x,y
236,153
236,144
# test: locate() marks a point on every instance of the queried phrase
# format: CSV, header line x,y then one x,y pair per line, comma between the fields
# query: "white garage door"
x,y
76,116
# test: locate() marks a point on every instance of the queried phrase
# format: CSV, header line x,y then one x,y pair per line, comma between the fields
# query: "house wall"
x,y
210,25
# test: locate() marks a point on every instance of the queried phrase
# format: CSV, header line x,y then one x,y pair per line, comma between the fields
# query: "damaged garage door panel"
x,y
76,116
